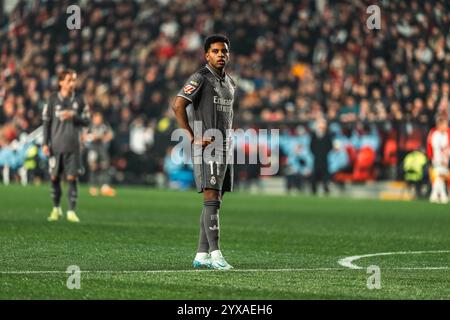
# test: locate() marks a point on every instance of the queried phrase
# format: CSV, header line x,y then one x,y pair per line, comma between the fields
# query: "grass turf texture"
x,y
144,229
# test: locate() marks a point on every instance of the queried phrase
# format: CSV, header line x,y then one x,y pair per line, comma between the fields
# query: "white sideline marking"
x,y
172,271
209,270
348,261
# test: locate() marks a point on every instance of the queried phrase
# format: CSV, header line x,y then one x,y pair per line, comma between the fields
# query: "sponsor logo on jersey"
x,y
223,104
188,89
213,180
227,102
213,228
75,106
223,108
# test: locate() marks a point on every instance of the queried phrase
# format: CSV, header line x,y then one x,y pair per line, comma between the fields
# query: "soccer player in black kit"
x,y
210,91
64,115
97,138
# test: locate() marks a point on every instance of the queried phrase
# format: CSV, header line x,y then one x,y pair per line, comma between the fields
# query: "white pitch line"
x,y
419,268
170,271
208,270
348,261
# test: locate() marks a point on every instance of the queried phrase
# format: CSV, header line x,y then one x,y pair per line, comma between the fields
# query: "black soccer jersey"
x,y
99,131
212,98
64,136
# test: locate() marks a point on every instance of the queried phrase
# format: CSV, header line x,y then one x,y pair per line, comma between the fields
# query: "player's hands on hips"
x,y
66,115
202,142
46,150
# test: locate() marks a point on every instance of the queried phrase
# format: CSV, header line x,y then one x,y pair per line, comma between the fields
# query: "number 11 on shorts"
x,y
211,164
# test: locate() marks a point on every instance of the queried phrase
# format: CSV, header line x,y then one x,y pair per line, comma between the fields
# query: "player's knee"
x,y
212,199
211,195
71,178
54,178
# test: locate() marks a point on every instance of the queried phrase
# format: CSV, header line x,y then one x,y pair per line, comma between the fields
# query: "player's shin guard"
x,y
72,194
203,245
211,221
56,192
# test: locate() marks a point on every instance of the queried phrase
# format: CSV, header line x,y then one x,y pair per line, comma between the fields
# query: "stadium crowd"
x,y
294,62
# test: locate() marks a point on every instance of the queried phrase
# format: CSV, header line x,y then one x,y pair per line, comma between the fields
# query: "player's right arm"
x,y
187,95
47,125
179,108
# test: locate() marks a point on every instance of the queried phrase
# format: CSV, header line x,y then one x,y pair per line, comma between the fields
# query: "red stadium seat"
x,y
364,165
352,154
390,152
344,177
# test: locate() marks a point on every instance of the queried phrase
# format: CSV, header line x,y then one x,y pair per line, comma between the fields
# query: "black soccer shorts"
x,y
67,162
213,175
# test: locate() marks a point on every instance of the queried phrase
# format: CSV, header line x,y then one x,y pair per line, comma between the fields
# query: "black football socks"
x,y
211,223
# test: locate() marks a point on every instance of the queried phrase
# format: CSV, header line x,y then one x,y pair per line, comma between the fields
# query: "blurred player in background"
x,y
438,151
98,138
211,92
64,115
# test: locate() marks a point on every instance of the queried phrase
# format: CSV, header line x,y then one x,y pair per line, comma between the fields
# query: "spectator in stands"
x,y
321,145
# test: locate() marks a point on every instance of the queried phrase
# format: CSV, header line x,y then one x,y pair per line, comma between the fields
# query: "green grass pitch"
x,y
140,245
